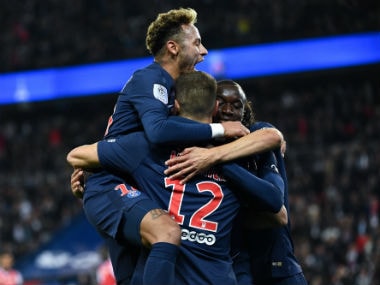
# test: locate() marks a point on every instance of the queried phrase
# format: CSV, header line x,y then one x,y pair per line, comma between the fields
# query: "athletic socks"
x,y
160,264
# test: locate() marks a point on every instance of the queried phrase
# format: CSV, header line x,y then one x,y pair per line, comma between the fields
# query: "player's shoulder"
x,y
260,125
153,72
144,80
133,139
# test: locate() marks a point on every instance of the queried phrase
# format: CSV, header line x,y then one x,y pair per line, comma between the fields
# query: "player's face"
x,y
192,50
231,104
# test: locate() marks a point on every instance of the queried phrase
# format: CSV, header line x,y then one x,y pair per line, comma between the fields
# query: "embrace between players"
x,y
171,213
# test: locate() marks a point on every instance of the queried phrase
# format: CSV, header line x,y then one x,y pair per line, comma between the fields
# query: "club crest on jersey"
x,y
160,93
133,194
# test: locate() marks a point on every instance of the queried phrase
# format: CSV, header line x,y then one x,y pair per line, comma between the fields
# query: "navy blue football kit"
x,y
145,104
270,252
205,207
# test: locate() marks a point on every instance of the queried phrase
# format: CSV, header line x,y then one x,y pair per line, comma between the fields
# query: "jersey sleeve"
x,y
266,191
260,125
120,155
150,97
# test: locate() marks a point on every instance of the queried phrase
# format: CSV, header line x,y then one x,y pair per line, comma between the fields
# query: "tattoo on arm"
x,y
156,213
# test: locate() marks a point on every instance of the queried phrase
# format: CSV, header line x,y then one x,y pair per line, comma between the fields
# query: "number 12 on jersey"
x,y
210,205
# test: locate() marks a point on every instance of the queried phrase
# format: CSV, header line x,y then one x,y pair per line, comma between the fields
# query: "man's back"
x,y
205,209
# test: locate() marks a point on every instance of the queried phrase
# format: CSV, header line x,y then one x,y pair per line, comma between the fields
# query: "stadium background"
x,y
331,121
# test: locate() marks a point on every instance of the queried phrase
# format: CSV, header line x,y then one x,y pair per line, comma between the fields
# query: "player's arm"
x,y
266,193
117,156
81,158
150,104
265,220
84,157
267,165
194,160
161,128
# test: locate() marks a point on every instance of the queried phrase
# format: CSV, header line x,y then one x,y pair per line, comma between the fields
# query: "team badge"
x,y
133,194
160,93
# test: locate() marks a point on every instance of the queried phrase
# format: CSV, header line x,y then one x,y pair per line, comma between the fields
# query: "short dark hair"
x,y
196,93
249,115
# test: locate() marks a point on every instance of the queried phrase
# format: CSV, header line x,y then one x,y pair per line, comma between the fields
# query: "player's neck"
x,y
206,120
170,66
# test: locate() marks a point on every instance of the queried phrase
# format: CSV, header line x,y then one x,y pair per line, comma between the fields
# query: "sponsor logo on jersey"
x,y
194,236
160,93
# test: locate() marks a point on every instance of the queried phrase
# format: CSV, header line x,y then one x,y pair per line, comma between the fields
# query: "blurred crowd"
x,y
34,177
332,127
40,34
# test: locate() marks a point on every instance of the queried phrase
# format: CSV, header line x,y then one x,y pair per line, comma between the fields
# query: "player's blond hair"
x,y
168,26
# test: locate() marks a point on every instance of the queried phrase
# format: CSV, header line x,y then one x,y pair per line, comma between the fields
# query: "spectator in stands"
x,y
104,272
9,275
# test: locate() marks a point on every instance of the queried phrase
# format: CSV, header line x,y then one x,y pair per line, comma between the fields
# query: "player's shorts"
x,y
117,213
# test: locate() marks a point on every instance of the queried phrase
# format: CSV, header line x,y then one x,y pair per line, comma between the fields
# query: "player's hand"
x,y
234,129
283,148
77,183
190,162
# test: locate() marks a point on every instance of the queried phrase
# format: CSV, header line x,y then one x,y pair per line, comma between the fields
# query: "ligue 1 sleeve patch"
x,y
160,93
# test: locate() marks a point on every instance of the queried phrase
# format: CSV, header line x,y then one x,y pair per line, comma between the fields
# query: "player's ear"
x,y
172,47
216,108
176,107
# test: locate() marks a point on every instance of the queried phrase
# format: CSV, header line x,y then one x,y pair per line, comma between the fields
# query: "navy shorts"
x,y
116,216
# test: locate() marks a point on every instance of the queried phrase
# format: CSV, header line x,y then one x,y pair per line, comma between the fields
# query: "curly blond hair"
x,y
168,26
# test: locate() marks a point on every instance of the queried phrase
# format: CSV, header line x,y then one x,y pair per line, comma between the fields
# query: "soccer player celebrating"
x,y
205,207
269,248
144,104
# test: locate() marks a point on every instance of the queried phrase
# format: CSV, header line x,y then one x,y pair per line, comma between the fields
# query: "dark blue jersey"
x,y
144,105
264,191
272,250
205,208
134,156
